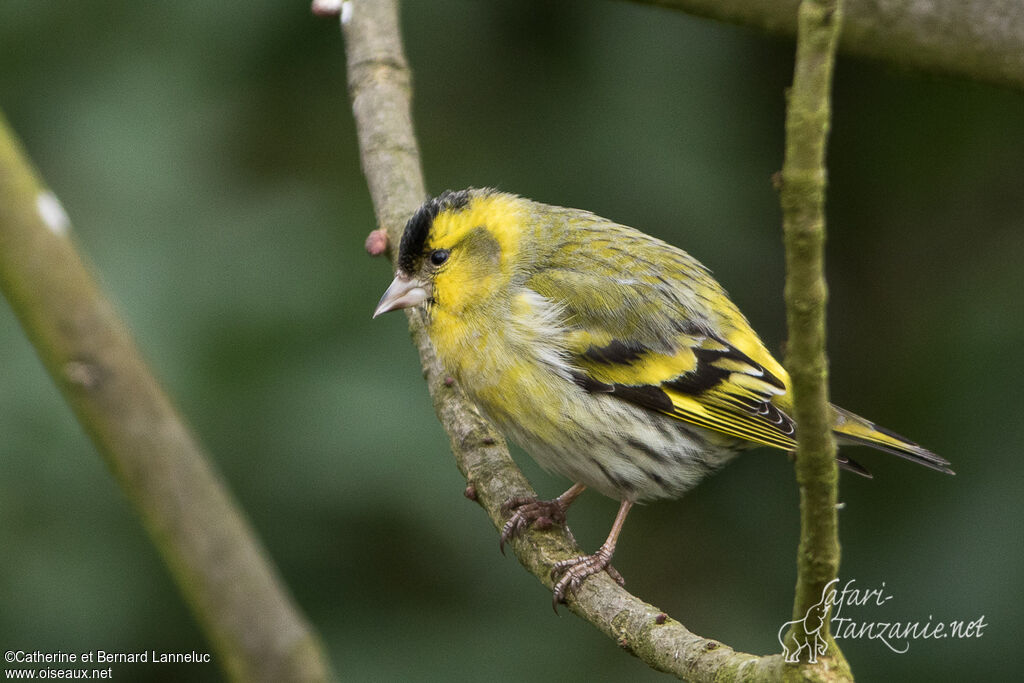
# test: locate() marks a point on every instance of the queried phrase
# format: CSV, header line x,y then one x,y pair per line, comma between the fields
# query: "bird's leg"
x,y
542,514
570,573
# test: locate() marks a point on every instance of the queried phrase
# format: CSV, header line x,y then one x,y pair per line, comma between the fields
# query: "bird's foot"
x,y
569,574
527,511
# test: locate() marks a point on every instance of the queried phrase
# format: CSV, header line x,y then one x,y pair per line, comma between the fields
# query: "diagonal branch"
x,y
379,85
218,563
975,39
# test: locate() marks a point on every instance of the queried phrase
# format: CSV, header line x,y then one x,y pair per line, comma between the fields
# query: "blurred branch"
x,y
975,39
803,205
379,85
218,563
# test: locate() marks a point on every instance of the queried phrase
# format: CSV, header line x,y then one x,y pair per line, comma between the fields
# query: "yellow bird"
x,y
613,358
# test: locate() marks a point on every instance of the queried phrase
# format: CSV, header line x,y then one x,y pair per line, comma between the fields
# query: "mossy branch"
x,y
214,556
975,39
803,206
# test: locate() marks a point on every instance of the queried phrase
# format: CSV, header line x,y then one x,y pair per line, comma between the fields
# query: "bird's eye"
x,y
439,256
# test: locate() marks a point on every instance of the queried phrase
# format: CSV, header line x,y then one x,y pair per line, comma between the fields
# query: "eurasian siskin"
x,y
613,358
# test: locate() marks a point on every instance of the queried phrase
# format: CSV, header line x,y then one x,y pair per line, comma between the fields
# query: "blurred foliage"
x,y
207,157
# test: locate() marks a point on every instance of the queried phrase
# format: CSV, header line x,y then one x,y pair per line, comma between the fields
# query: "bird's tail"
x,y
854,429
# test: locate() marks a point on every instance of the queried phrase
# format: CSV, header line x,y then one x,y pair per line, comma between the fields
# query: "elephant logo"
x,y
811,639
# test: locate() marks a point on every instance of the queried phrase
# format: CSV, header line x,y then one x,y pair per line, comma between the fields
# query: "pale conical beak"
x,y
404,292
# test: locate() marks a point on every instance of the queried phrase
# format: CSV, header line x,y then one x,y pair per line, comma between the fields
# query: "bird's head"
x,y
459,249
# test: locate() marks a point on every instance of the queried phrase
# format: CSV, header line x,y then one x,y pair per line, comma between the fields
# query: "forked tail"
x,y
854,429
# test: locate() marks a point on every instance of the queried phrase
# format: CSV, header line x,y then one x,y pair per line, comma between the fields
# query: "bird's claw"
x,y
569,574
528,511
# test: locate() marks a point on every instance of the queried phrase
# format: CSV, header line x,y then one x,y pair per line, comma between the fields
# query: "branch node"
x,y
84,374
327,8
377,242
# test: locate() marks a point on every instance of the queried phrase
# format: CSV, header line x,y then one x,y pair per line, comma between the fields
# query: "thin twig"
x,y
218,563
803,204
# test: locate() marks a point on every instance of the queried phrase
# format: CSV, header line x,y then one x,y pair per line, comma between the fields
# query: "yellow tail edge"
x,y
853,429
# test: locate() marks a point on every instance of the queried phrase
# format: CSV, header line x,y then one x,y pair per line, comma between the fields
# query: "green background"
x,y
206,155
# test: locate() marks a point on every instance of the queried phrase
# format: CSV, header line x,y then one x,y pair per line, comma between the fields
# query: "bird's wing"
x,y
705,381
666,337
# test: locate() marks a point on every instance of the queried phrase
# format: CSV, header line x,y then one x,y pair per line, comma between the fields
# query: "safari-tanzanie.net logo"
x,y
895,635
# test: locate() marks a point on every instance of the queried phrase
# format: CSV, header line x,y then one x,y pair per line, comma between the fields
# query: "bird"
x,y
613,358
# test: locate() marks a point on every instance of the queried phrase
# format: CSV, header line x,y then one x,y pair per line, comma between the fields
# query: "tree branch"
x,y
216,560
976,39
803,205
379,86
